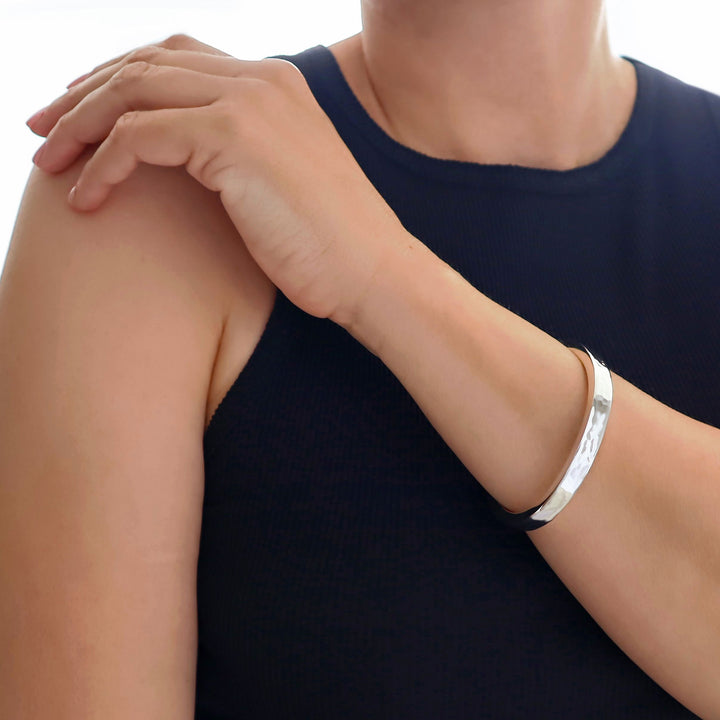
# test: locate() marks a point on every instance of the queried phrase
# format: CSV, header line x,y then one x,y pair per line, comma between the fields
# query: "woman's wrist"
x,y
509,399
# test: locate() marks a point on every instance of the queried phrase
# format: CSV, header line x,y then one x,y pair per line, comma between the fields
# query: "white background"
x,y
46,44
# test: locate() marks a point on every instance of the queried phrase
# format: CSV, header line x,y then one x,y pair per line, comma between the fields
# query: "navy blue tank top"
x,y
350,566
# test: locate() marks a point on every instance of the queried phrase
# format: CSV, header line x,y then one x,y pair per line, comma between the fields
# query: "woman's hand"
x,y
250,130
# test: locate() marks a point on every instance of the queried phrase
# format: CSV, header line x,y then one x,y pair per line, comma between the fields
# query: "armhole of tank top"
x,y
272,346
281,326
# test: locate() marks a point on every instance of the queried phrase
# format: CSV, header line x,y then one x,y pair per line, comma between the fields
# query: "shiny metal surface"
x,y
582,461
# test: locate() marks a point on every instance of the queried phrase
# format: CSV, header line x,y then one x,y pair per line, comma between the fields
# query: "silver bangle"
x,y
582,461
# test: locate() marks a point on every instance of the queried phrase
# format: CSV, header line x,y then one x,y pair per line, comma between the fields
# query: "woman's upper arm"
x,y
109,326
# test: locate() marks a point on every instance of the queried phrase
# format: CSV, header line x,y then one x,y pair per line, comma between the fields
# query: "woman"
x,y
269,476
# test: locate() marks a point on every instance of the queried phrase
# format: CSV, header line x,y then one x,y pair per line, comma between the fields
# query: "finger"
x,y
174,42
77,80
225,65
167,137
97,68
138,86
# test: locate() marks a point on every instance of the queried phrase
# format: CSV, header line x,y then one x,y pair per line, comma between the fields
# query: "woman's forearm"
x,y
639,544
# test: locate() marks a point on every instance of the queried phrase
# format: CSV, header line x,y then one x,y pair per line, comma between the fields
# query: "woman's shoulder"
x,y
164,244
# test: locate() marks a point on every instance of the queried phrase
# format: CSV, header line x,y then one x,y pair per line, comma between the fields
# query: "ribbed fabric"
x,y
350,566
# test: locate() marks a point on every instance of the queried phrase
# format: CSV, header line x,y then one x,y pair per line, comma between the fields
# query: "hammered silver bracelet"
x,y
582,461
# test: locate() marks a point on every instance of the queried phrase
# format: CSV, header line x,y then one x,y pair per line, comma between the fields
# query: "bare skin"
x,y
525,83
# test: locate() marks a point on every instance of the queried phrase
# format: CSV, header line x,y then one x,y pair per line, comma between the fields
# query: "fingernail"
x,y
78,80
37,157
71,195
31,121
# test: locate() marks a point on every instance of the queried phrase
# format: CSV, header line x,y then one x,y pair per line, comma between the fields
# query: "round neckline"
x,y
616,160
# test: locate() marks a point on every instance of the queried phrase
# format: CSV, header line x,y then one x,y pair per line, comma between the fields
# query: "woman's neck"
x,y
523,82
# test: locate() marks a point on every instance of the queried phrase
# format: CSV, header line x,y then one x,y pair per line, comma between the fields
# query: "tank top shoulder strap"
x,y
319,67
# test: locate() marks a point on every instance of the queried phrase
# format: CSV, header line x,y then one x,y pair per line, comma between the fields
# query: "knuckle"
x,y
231,126
130,73
126,122
178,41
281,71
227,121
144,54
